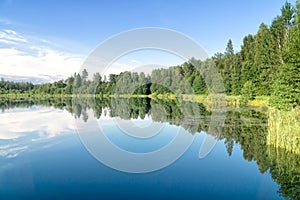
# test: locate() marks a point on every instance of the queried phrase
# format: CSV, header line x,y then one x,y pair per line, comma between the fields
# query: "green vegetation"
x,y
247,92
267,65
284,129
265,72
268,62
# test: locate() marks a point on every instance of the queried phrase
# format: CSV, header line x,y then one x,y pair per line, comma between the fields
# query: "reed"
x,y
284,129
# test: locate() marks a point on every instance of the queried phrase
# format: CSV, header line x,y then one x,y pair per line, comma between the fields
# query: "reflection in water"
x,y
37,125
243,127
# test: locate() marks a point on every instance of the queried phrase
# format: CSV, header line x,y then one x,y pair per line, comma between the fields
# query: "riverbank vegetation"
x,y
266,71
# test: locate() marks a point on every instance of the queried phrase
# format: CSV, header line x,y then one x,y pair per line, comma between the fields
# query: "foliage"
x,y
247,92
286,90
269,60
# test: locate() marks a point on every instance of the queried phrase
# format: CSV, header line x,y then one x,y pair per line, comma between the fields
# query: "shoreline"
x,y
231,101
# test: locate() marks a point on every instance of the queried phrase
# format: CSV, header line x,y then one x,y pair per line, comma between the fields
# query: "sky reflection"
x,y
23,129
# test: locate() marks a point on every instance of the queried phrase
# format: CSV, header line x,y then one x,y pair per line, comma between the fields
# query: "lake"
x,y
51,148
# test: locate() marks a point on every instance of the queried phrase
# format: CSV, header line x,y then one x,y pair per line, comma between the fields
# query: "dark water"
x,y
42,156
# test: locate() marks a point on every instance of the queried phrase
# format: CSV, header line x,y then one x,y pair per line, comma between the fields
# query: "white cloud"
x,y
45,62
10,35
7,41
52,121
118,67
21,56
136,62
26,129
12,151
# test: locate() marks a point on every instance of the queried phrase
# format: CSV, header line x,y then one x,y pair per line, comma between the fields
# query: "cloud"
x,y
27,129
136,62
118,67
52,121
7,41
12,151
11,36
24,56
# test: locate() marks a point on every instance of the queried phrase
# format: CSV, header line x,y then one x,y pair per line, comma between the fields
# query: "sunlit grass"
x,y
284,129
259,101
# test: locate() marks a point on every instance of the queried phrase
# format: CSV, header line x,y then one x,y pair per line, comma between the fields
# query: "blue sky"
x,y
72,29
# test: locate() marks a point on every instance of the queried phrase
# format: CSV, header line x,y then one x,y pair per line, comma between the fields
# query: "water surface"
x,y
42,156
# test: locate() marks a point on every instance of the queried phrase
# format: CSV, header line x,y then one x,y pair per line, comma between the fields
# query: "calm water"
x,y
43,157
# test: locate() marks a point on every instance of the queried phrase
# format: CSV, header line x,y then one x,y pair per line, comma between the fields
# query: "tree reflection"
x,y
244,127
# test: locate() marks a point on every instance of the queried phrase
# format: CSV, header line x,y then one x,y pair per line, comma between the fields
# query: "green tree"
x,y
286,90
247,58
78,81
247,92
229,48
227,67
262,63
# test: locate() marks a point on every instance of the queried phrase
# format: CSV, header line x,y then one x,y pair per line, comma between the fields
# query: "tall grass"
x,y
284,129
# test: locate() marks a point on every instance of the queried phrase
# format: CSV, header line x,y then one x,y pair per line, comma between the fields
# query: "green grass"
x,y
284,129
231,101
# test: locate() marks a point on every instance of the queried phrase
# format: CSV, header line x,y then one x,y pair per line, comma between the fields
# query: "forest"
x,y
267,65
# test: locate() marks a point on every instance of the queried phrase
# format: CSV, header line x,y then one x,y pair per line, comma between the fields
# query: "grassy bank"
x,y
233,101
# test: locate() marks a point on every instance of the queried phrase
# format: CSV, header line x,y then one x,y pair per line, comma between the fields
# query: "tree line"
x,y
160,81
268,64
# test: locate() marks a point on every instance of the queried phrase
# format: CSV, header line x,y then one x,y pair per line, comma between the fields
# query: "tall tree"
x,y
78,81
247,59
229,48
262,63
286,92
227,70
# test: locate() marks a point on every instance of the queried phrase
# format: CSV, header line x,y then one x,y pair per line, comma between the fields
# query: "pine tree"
x,y
247,59
228,68
229,48
262,64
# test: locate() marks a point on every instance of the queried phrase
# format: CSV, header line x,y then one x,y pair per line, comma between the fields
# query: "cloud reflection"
x,y
31,128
